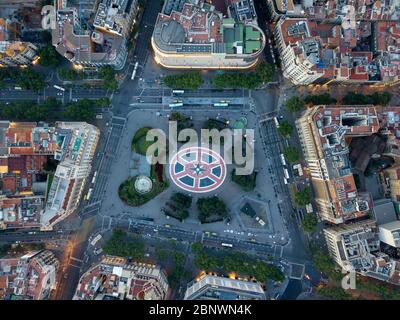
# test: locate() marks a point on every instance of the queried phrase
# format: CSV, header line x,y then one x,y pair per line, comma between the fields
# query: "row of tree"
x,y
50,110
296,104
238,263
250,80
120,244
188,80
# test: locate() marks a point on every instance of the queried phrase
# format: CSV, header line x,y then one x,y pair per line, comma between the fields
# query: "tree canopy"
x,y
246,182
285,128
295,104
309,222
82,110
291,154
187,80
107,74
250,80
236,262
121,244
303,197
211,209
49,57
318,99
29,79
353,98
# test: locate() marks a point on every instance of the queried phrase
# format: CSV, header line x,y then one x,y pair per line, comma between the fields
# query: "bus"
x,y
229,245
178,91
283,159
94,177
276,122
286,172
220,104
89,194
58,87
177,104
96,239
134,70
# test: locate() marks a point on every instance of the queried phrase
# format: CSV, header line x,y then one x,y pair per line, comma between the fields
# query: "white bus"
x,y
220,104
276,122
94,177
134,70
58,87
174,105
178,91
286,172
89,194
95,240
283,159
229,245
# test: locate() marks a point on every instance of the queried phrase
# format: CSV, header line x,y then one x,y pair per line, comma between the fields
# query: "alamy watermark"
x,y
237,145
349,280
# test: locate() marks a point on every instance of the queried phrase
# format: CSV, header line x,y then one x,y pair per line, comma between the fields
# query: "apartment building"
x,y
194,35
31,277
114,278
13,51
25,199
212,287
356,247
103,42
323,131
389,233
347,41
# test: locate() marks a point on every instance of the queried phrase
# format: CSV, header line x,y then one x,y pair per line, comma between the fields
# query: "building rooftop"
x,y
115,278
211,287
193,28
32,276
24,150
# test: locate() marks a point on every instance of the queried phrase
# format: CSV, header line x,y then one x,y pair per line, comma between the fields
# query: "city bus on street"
x,y
229,245
59,88
176,104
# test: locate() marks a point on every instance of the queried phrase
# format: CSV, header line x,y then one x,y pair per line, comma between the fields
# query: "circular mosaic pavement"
x,y
197,169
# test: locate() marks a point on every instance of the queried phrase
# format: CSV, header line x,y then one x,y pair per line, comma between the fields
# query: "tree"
x,y
182,200
29,79
120,244
103,102
107,74
214,124
49,56
188,80
285,128
250,80
302,197
183,121
309,222
353,98
246,182
291,154
295,104
82,110
319,99
211,207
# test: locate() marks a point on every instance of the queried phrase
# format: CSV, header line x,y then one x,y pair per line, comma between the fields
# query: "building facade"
x,y
322,131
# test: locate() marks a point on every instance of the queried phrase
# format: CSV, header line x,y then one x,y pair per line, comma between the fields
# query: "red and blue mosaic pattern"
x,y
197,169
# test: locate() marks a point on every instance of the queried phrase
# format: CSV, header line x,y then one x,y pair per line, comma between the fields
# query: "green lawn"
x,y
128,194
139,143
50,178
